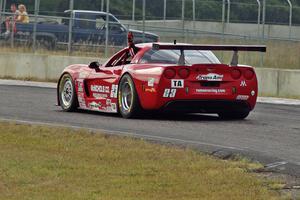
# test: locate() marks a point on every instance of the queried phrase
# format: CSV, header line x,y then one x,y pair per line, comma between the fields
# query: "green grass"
x,y
53,163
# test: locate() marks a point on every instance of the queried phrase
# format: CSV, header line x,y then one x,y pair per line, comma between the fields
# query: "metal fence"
x,y
187,11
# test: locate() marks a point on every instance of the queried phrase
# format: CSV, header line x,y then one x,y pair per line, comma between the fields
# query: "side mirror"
x,y
94,65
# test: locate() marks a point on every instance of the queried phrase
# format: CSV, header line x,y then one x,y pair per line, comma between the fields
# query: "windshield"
x,y
172,57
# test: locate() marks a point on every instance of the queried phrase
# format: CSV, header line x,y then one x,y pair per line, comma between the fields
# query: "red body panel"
x,y
154,97
97,90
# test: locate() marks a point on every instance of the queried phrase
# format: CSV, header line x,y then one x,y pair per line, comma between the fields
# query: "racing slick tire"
x,y
67,94
234,115
128,100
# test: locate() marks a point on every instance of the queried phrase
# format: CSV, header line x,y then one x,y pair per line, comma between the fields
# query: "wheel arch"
x,y
133,79
58,83
134,82
119,81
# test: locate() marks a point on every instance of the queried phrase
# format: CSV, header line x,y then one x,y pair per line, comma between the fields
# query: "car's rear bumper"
x,y
206,106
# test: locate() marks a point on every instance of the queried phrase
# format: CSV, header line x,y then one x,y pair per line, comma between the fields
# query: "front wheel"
x,y
234,115
67,94
128,101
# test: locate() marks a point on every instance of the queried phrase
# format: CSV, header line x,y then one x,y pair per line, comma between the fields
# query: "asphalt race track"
x,y
270,134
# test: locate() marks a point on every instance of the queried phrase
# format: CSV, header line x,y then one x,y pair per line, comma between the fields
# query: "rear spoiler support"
x,y
235,59
234,48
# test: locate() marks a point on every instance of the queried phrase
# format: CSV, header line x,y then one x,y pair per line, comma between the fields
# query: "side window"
x,y
85,21
113,24
121,58
100,22
112,19
116,27
94,21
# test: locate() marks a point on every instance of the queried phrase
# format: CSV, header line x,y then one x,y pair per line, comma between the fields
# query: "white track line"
x,y
27,83
282,101
123,133
269,100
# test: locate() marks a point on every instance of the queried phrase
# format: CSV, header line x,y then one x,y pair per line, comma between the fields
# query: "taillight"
x,y
183,73
248,74
170,73
236,74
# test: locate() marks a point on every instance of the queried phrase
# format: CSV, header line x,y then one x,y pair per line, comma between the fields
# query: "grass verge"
x,y
53,163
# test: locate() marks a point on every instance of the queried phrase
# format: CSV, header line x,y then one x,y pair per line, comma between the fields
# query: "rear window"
x,y
172,57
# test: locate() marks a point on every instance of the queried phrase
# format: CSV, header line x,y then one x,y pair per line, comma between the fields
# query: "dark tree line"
x,y
277,11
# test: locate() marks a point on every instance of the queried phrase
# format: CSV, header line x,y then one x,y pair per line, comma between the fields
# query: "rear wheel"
x,y
128,101
67,94
234,115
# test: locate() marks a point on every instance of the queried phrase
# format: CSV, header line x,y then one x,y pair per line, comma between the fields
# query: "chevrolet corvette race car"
x,y
162,77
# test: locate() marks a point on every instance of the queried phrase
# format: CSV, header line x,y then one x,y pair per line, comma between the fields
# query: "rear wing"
x,y
234,48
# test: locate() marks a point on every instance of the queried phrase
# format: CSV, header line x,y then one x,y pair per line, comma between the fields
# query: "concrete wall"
x,y
43,67
277,82
272,82
252,30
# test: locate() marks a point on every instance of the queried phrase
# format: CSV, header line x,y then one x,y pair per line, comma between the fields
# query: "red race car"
x,y
163,77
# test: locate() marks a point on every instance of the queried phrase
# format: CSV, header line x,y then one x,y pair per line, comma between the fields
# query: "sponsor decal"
x,y
152,90
111,108
83,74
243,84
210,77
80,86
114,91
100,96
114,107
215,91
100,88
80,94
82,102
242,97
151,82
95,106
169,93
177,83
